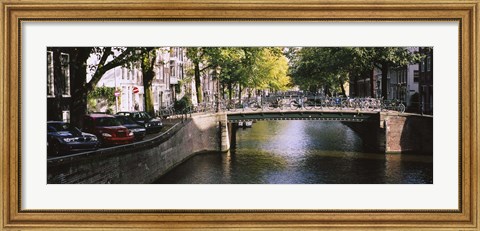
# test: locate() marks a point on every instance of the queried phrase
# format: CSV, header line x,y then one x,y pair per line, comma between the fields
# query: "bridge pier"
x,y
224,130
407,133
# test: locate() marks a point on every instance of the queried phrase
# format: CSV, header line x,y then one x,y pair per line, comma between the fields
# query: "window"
x,y
416,76
166,73
65,66
180,74
66,116
50,78
134,74
172,68
161,71
422,66
429,63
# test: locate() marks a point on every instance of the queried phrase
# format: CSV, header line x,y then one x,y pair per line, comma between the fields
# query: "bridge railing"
x,y
292,102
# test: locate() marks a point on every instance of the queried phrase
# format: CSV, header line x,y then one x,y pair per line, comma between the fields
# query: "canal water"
x,y
301,152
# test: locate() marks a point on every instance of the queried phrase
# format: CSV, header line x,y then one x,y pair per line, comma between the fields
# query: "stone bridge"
x,y
381,131
146,161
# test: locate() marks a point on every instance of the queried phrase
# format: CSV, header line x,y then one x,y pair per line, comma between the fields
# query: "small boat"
x,y
248,124
240,124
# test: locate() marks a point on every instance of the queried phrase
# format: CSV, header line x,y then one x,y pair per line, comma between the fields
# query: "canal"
x,y
301,152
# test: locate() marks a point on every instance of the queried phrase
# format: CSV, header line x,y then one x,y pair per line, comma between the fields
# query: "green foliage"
x,y
391,56
385,58
326,68
183,104
178,87
253,67
330,68
107,93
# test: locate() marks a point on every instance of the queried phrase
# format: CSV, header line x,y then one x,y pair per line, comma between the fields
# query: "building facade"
x,y
59,98
128,82
426,80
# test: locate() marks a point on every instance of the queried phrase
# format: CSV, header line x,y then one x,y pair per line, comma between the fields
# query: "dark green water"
x,y
301,152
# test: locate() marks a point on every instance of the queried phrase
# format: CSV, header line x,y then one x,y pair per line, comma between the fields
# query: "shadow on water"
x,y
300,152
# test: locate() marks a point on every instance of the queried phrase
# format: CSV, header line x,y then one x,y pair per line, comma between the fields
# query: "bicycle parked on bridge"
x,y
314,102
335,102
274,103
356,103
374,103
393,104
299,103
253,104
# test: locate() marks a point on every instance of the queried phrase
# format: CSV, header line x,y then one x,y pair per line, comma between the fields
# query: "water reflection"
x,y
301,152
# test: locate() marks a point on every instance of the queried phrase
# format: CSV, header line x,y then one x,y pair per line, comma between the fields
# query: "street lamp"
x,y
217,75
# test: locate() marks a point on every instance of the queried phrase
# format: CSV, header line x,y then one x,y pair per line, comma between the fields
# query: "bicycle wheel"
x,y
401,108
365,105
343,105
294,105
384,107
330,104
308,105
254,106
231,106
270,106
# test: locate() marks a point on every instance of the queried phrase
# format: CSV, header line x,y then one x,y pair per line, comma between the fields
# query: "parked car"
x,y
63,138
144,119
108,129
138,131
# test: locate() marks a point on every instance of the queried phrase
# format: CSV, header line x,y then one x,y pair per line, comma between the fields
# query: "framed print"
x,y
239,115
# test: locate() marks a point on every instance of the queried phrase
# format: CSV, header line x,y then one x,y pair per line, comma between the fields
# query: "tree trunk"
x,y
240,93
198,84
327,91
78,80
384,81
148,74
342,87
148,94
373,83
230,91
355,86
148,97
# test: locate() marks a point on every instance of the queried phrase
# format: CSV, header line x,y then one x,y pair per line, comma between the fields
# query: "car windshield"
x,y
107,121
61,127
141,115
124,120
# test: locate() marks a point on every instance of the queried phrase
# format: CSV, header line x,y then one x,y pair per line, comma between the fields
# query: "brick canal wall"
x,y
143,162
408,133
396,133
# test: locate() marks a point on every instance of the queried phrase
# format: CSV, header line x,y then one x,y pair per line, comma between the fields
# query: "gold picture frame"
x,y
14,12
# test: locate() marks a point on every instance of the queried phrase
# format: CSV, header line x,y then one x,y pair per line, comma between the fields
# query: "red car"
x,y
108,129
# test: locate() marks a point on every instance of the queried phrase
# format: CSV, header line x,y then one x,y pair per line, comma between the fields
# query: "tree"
x,y
326,68
147,57
384,58
312,66
271,70
245,67
201,58
106,58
